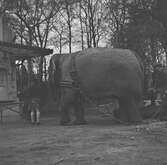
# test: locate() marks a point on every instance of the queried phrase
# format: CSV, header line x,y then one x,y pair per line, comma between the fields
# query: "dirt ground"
x,y
101,142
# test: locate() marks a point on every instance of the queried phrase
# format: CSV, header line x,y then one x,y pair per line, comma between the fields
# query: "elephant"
x,y
99,74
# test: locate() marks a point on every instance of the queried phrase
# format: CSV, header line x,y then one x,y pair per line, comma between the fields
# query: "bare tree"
x,y
68,15
33,23
59,38
117,17
91,18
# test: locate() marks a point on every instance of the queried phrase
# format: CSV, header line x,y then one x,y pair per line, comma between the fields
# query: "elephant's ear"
x,y
54,77
55,70
140,61
51,70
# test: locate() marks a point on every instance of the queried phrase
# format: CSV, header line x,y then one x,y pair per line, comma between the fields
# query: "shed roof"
x,y
20,52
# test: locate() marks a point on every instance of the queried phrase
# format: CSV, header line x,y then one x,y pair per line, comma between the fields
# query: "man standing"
x,y
34,93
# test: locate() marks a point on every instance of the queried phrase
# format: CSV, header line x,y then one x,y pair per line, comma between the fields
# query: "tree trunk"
x,y
29,60
41,68
45,70
69,25
60,48
81,26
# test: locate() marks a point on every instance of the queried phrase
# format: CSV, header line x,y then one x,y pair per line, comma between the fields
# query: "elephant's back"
x,y
107,56
106,71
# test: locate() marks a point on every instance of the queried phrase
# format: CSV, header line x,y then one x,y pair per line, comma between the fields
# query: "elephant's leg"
x,y
65,116
122,113
128,111
67,97
133,110
79,112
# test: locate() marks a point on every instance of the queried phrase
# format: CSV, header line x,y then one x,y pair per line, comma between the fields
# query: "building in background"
x,y
7,66
11,52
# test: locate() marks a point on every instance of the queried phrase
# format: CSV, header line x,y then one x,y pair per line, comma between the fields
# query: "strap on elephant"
x,y
74,74
76,84
66,84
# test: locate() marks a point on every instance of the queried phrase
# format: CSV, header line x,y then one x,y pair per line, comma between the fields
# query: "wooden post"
x,y
1,112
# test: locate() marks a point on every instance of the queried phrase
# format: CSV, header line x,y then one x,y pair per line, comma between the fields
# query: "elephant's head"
x,y
54,75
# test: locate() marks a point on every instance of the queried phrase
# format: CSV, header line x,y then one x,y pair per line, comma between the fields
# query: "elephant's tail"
x,y
141,68
139,60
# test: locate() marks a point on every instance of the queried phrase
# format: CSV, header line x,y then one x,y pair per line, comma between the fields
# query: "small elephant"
x,y
100,74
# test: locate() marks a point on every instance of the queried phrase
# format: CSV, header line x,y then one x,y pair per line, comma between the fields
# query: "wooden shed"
x,y
9,53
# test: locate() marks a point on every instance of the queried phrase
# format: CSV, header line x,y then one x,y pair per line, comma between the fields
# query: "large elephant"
x,y
100,74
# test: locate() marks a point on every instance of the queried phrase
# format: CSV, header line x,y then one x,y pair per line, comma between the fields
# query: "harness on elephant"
x,y
76,84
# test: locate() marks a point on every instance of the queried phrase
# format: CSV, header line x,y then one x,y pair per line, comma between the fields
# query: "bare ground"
x,y
101,142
